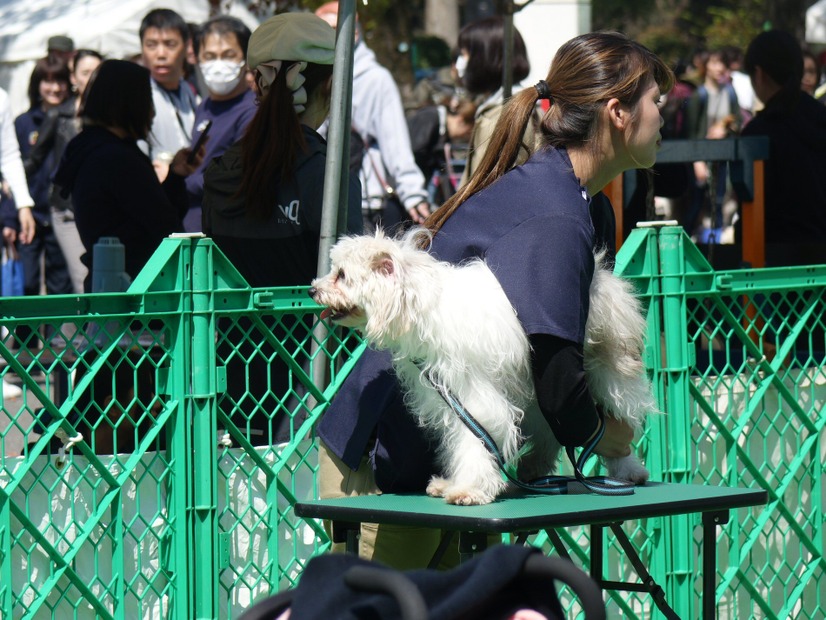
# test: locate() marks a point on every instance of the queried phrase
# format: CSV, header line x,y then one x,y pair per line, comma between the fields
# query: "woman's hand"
x,y
9,237
27,225
616,441
420,212
700,172
183,165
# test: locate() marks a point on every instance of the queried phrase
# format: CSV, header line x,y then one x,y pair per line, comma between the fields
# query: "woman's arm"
x,y
174,185
565,400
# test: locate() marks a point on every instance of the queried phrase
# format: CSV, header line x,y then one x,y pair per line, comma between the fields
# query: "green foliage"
x,y
669,44
734,26
430,52
673,28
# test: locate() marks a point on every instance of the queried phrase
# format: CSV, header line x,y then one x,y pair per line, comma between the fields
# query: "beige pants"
x,y
399,546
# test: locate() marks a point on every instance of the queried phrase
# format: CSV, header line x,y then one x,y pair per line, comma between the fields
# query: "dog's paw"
x,y
467,497
627,468
437,487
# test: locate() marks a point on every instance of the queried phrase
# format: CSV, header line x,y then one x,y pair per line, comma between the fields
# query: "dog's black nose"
x,y
312,291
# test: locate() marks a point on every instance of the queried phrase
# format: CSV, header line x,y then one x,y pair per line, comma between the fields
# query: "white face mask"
x,y
461,66
221,76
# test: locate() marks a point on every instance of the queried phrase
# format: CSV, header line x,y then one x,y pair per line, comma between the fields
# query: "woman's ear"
x,y
256,84
618,114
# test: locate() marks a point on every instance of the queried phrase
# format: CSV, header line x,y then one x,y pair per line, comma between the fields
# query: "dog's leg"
x,y
627,468
437,486
613,364
473,474
539,456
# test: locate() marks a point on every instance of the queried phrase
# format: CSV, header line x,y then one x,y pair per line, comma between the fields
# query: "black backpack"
x,y
357,149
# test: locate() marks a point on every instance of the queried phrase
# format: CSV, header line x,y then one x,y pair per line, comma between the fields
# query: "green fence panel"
x,y
131,485
150,467
739,365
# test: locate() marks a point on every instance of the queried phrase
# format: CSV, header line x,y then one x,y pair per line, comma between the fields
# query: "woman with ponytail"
x,y
532,225
262,207
795,124
268,186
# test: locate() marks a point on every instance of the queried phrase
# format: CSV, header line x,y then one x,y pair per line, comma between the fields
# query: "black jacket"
x,y
281,250
795,179
58,128
116,193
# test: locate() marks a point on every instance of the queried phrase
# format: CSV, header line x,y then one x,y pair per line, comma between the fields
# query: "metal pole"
x,y
336,177
507,52
337,169
509,7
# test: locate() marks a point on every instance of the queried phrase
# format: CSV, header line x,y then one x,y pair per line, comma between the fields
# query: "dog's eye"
x,y
340,274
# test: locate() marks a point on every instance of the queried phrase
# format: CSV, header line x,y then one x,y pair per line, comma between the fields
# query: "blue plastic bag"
x,y
12,278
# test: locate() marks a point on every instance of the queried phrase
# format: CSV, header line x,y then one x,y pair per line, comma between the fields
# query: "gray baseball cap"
x,y
292,36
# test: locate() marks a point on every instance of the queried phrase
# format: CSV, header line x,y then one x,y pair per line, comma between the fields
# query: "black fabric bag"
x,y
492,586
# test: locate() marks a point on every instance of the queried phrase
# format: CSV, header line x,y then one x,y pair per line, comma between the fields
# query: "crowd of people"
x,y
716,97
407,164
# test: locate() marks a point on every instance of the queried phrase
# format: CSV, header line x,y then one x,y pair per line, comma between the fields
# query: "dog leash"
x,y
551,485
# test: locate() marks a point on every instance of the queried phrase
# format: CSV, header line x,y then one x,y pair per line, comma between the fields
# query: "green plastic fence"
x,y
163,435
739,362
204,390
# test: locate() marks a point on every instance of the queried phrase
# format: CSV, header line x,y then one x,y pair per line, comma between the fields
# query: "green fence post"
x,y
676,375
204,557
639,262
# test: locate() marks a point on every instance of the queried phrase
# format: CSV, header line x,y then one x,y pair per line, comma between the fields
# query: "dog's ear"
x,y
383,264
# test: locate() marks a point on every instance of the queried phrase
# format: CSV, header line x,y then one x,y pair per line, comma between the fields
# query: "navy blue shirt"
x,y
533,228
229,122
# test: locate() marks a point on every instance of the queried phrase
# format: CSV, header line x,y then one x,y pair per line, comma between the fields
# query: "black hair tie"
x,y
543,90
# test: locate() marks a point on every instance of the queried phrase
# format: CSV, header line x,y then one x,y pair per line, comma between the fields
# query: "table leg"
x,y
596,552
471,543
556,541
445,541
648,584
347,532
710,522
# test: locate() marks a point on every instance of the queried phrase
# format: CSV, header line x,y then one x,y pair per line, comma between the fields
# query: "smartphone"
x,y
199,142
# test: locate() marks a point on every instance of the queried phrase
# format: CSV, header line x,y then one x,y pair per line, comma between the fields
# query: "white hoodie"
x,y
11,165
378,116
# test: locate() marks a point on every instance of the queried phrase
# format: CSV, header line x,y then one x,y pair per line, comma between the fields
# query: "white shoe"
x,y
10,390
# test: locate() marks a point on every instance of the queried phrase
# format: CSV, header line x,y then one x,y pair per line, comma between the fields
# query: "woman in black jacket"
x,y
115,191
795,123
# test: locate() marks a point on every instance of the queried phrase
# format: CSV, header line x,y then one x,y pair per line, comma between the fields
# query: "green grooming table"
x,y
523,515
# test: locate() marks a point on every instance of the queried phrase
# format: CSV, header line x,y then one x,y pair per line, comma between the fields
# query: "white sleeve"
x,y
390,131
11,165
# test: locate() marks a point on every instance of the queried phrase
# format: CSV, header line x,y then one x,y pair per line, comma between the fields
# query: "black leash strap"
x,y
551,485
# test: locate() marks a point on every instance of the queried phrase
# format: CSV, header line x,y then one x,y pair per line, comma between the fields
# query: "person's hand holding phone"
x,y
188,160
199,143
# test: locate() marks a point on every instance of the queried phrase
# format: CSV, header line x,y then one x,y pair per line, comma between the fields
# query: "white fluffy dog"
x,y
453,326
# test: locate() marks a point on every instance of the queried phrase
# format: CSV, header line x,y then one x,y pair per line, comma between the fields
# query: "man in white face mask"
x,y
230,105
